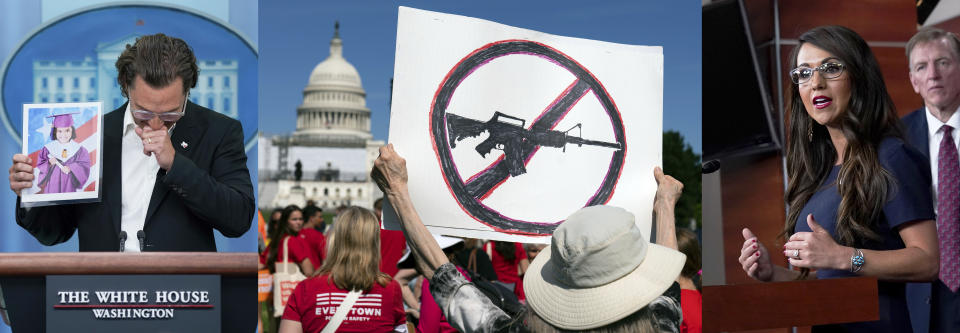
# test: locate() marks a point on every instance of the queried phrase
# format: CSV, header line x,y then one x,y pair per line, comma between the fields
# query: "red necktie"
x,y
948,210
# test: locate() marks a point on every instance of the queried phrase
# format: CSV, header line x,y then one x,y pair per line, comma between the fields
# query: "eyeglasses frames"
x,y
830,70
168,117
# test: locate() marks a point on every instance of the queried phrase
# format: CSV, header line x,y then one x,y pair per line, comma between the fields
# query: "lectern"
x,y
24,278
787,304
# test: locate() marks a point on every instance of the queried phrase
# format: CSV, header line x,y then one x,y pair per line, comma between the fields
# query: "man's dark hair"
x,y
158,59
378,204
310,211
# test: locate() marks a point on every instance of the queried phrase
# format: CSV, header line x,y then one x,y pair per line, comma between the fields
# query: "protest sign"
x,y
507,131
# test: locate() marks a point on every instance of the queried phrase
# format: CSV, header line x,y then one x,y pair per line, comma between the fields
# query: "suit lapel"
x,y
112,163
918,132
187,131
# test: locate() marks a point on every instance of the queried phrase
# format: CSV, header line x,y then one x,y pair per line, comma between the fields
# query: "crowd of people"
x,y
868,194
414,281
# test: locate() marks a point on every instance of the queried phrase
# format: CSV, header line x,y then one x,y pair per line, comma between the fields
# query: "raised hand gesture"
x,y
754,258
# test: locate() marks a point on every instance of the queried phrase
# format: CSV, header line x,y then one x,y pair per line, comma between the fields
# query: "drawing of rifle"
x,y
510,137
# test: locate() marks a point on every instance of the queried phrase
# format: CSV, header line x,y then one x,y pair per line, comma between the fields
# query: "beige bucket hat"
x,y
598,269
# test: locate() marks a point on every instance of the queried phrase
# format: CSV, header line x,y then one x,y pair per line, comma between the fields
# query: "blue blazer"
x,y
918,294
916,126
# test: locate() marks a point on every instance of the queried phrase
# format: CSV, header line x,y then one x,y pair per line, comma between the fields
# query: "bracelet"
x,y
856,261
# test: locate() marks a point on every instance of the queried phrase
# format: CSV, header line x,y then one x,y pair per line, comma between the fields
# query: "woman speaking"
x,y
859,198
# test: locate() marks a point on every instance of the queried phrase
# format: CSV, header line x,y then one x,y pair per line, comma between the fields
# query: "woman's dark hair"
x,y
53,133
158,59
273,224
506,250
276,235
863,184
688,244
276,210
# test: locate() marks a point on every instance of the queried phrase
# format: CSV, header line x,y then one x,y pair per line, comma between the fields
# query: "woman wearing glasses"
x,y
859,197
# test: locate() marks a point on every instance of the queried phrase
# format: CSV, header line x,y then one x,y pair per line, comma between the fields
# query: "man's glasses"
x,y
167,117
830,70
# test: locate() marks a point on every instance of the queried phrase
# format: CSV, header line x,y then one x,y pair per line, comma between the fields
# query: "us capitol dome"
x,y
328,157
334,110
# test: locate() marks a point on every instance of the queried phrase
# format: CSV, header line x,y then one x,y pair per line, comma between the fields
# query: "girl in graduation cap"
x,y
64,165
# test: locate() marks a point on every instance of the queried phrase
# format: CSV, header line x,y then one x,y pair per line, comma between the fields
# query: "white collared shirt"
x,y
935,135
139,174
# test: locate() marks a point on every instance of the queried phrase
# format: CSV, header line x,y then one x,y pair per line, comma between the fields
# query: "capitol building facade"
x,y
328,158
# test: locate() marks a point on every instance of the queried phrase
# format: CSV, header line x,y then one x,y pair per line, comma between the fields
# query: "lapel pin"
x,y
183,144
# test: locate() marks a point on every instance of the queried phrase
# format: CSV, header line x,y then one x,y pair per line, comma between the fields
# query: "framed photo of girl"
x,y
63,141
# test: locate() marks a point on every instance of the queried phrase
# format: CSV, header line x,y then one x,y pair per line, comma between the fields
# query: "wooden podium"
x,y
23,279
788,304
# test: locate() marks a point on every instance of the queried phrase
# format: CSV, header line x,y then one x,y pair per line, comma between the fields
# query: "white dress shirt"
x,y
139,174
935,135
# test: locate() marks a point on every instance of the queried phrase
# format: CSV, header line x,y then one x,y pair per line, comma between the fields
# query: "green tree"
x,y
682,163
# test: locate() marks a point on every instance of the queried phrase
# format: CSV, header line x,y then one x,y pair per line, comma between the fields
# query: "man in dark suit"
x,y
934,57
171,169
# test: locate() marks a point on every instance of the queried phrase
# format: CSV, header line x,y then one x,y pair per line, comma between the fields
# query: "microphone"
x,y
710,167
140,236
123,240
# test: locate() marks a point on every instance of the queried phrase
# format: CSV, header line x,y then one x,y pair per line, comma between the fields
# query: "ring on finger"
x,y
796,254
149,140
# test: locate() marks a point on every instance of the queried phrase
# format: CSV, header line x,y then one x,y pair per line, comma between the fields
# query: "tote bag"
x,y
285,279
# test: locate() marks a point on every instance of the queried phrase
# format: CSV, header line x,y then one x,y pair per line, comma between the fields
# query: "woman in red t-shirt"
x,y
291,220
352,263
509,261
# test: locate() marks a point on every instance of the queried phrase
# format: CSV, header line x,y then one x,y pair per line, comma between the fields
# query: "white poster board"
x,y
508,131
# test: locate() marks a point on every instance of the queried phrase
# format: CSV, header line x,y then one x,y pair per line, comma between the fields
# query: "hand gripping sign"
x,y
507,131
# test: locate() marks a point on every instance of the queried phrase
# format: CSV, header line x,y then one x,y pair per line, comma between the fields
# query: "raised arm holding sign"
x,y
591,237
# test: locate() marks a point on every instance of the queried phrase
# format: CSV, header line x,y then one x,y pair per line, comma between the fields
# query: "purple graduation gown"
x,y
71,154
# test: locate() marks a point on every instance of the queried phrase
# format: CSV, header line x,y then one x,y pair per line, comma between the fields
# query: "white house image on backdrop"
x,y
89,80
